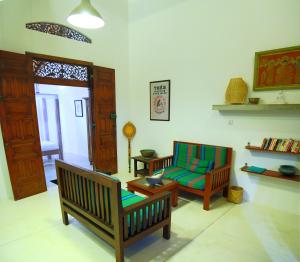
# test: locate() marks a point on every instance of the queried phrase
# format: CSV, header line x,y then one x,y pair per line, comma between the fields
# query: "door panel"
x,y
104,128
19,125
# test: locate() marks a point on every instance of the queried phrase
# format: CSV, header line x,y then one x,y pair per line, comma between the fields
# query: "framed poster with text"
x,y
160,100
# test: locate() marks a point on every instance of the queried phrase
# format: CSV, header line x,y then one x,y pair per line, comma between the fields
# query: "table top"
x,y
143,159
142,183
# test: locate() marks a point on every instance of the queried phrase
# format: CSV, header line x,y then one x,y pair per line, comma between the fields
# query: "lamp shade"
x,y
85,16
236,92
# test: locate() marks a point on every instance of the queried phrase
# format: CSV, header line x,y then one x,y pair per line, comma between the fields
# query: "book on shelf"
x,y
263,143
282,145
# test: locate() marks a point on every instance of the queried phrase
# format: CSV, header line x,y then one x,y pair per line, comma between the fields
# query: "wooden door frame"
x,y
71,83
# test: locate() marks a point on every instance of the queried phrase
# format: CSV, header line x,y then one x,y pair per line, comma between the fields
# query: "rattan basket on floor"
x,y
235,194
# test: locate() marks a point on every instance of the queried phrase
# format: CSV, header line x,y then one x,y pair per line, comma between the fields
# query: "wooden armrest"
x,y
160,163
217,178
218,170
149,200
161,158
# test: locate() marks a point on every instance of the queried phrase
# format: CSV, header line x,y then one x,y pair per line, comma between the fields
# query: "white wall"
x,y
199,46
109,49
73,129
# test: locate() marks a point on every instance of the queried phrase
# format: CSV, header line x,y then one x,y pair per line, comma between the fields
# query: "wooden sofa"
x,y
203,184
95,200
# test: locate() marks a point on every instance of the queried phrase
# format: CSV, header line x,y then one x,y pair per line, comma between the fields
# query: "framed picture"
x,y
277,69
160,100
78,108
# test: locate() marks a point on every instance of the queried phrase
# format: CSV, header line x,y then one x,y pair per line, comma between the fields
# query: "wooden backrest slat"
x,y
138,220
95,193
101,202
97,200
149,206
165,208
132,228
144,218
160,210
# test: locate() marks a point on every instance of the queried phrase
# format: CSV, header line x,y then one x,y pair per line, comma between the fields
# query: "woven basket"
x,y
235,194
236,92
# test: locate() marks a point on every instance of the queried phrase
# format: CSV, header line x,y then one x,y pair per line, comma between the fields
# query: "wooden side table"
x,y
141,185
144,171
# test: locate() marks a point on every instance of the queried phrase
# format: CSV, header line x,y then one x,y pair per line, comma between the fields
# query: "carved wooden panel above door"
x,y
19,125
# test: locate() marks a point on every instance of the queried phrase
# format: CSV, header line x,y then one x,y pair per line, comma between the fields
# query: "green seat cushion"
x,y
129,198
185,177
194,180
175,173
200,166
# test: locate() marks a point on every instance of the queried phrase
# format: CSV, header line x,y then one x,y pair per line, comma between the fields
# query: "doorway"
x,y
18,116
63,126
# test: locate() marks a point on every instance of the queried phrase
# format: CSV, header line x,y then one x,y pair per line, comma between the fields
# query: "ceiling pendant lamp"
x,y
85,16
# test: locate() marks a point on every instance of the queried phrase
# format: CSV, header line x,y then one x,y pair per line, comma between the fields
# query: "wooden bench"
x,y
94,199
216,180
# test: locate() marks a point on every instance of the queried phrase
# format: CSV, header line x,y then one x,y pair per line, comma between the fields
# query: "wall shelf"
x,y
272,173
258,149
258,107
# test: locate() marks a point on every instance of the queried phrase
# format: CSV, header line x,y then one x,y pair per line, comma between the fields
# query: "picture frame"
x,y
160,100
78,108
277,69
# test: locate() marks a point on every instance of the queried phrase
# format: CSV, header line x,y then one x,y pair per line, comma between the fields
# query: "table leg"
x,y
135,167
174,197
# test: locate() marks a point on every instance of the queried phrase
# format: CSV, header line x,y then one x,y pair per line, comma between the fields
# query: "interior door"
x,y
19,125
104,120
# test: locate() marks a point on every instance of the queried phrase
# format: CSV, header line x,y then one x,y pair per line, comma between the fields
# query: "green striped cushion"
x,y
184,153
175,173
194,180
214,153
129,198
200,166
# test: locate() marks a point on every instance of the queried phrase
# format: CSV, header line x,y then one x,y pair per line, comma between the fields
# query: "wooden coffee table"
x,y
141,185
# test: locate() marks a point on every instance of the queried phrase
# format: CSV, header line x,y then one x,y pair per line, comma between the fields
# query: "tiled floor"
x,y
31,230
49,165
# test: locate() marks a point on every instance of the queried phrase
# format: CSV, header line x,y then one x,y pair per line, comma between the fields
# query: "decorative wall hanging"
x,y
129,131
59,30
236,92
277,69
78,108
43,68
160,100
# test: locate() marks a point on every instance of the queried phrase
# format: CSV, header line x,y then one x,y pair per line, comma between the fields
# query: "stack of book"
x,y
282,145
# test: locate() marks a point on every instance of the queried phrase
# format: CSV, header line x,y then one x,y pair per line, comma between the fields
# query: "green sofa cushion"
x,y
200,166
129,198
175,173
184,153
194,180
213,153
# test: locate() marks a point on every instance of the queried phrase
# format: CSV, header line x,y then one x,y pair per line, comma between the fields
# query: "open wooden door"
x,y
104,120
19,125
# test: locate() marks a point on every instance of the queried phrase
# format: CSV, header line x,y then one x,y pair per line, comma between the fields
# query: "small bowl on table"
x,y
253,100
147,153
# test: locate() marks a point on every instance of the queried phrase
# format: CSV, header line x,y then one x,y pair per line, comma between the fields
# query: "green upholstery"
x,y
192,161
194,180
185,152
129,198
200,166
